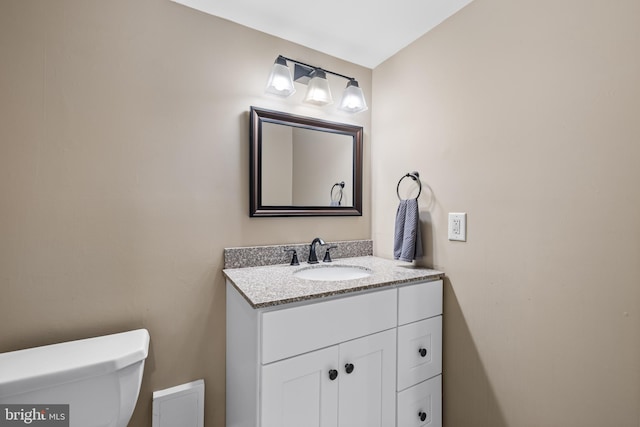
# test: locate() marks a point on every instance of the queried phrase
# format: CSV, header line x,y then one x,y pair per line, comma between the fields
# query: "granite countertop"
x,y
272,285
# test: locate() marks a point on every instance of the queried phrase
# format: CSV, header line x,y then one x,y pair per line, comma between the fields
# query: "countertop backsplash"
x,y
257,256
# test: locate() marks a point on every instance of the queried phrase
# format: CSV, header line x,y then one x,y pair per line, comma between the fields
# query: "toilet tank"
x,y
98,377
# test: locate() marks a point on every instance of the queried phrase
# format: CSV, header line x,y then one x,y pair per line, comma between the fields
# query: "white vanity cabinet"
x,y
335,362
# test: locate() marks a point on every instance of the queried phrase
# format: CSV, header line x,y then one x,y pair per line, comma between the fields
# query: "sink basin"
x,y
332,272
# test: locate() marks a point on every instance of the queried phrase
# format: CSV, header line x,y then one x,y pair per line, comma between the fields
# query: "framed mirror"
x,y
302,166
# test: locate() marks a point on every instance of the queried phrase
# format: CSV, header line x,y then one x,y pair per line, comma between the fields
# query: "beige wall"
x,y
524,114
124,154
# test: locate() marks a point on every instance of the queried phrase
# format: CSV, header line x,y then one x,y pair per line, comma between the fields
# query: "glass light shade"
x,y
280,82
353,99
318,92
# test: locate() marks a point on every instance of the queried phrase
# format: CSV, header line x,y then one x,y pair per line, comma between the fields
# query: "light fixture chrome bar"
x,y
319,68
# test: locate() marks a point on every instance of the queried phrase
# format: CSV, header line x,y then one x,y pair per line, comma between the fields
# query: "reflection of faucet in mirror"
x,y
340,186
313,258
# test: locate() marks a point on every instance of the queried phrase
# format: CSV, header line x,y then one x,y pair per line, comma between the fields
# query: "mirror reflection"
x,y
304,166
300,167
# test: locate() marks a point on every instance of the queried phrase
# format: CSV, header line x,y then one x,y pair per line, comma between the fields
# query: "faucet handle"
x,y
294,258
327,256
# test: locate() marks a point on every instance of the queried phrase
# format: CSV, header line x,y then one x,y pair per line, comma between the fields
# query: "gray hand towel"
x,y
407,242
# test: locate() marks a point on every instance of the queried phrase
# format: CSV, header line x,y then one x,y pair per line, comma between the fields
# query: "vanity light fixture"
x,y
353,99
280,81
318,92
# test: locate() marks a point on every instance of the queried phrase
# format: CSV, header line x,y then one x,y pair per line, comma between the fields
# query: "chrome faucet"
x,y
313,258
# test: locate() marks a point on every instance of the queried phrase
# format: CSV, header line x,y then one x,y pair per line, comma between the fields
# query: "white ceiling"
x,y
365,32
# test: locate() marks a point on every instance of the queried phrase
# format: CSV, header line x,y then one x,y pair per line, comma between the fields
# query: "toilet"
x,y
99,378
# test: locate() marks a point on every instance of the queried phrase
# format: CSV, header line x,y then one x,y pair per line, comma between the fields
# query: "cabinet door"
x,y
367,381
298,392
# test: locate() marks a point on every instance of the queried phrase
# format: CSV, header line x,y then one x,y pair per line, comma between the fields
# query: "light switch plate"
x,y
458,226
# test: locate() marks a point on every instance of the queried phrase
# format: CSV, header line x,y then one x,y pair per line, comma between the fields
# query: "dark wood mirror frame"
x,y
259,116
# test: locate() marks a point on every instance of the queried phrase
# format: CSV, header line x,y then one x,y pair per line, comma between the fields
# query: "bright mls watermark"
x,y
34,415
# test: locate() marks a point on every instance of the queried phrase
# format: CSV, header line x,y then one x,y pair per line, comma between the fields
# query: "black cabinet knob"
x,y
423,352
333,374
422,415
349,367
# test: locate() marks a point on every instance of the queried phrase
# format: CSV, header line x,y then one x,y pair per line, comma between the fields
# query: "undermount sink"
x,y
332,272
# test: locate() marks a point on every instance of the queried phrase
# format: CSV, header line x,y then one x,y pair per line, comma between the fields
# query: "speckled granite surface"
x,y
272,285
255,256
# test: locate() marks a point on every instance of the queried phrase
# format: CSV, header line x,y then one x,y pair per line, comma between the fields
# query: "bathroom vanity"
x,y
349,353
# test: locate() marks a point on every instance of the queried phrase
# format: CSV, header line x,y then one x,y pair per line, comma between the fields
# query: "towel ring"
x,y
414,176
337,184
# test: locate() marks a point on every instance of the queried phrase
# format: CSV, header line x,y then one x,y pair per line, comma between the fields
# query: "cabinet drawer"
x,y
419,351
417,302
422,400
297,330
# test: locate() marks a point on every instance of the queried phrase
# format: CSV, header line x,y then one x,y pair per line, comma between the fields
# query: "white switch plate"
x,y
458,226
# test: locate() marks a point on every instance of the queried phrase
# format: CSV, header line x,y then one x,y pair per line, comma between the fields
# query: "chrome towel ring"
x,y
414,176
